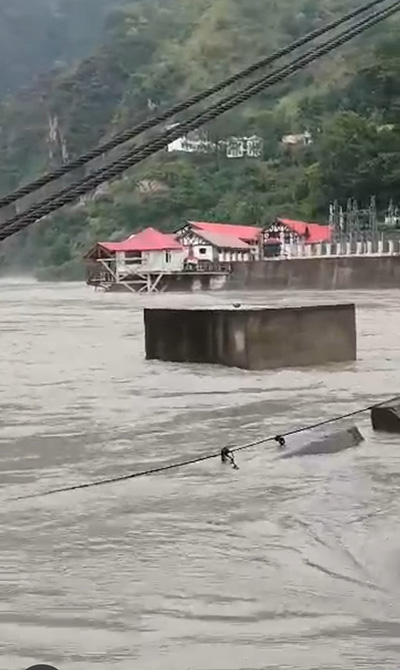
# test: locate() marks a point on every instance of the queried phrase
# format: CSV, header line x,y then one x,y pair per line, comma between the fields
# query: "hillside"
x,y
37,35
154,53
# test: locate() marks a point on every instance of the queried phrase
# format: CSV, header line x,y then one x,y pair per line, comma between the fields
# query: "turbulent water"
x,y
291,564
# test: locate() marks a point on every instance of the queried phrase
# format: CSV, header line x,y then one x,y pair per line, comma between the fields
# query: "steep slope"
x,y
156,52
36,35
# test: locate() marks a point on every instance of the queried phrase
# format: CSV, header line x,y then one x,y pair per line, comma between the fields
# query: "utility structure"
x,y
353,221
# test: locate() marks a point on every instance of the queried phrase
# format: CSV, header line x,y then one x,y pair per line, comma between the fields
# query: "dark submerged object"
x,y
321,441
386,418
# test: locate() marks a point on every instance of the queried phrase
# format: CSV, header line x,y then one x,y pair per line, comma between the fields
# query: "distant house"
x,y
146,253
239,147
198,142
212,243
299,140
195,142
289,231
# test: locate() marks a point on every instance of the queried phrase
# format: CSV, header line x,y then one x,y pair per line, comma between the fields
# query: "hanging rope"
x,y
131,133
226,454
140,153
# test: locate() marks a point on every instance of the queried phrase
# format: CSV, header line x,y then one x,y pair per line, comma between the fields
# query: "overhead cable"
x,y
206,457
147,149
131,133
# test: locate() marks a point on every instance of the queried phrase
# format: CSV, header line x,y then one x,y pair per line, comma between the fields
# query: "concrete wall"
x,y
253,339
318,273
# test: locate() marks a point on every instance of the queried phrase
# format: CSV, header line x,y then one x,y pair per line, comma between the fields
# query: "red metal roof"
x,y
147,240
223,241
245,233
317,232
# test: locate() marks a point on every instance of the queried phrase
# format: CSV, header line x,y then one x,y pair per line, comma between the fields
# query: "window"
x,y
167,256
202,250
133,256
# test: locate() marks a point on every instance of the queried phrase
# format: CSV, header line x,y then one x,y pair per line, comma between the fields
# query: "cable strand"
x,y
138,154
131,133
207,457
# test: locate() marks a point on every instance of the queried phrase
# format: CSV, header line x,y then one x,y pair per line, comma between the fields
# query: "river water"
x,y
281,564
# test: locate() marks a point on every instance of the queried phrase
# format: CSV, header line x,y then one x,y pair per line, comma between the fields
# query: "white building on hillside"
x,y
198,142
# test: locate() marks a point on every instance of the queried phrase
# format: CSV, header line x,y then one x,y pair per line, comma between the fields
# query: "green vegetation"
x,y
155,52
38,35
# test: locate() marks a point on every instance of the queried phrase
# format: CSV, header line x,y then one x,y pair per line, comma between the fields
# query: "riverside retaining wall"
x,y
343,272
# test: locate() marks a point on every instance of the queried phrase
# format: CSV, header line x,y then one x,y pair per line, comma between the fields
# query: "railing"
x,y
378,246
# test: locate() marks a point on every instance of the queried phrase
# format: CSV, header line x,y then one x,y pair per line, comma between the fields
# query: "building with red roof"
x,y
290,231
148,252
212,243
146,256
249,234
147,240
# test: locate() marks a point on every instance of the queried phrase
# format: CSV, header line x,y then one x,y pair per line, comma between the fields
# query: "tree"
x,y
347,151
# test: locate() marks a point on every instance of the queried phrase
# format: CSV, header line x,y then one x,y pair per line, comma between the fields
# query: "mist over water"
x,y
290,564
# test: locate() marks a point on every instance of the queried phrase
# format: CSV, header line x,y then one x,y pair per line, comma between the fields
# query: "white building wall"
x,y
233,255
200,250
153,261
168,261
204,251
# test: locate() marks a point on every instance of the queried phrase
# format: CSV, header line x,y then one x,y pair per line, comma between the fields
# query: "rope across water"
x,y
206,457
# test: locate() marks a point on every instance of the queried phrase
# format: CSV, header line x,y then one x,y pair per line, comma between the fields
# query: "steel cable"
x,y
141,152
207,457
131,133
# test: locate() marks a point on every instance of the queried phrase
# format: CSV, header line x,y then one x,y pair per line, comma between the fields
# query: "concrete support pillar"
x,y
348,249
380,247
391,247
369,247
359,248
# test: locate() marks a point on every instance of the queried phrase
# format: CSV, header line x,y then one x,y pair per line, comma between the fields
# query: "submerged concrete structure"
x,y
386,418
253,338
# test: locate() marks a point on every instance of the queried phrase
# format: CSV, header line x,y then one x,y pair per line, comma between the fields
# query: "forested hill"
x,y
37,35
156,52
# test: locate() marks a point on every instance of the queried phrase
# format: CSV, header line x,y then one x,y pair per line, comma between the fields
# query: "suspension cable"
x,y
140,153
206,457
131,133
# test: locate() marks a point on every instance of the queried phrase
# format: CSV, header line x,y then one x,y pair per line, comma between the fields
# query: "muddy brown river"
x,y
281,564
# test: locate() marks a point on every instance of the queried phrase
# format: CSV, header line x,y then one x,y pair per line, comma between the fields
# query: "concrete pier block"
x,y
328,439
386,418
253,338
